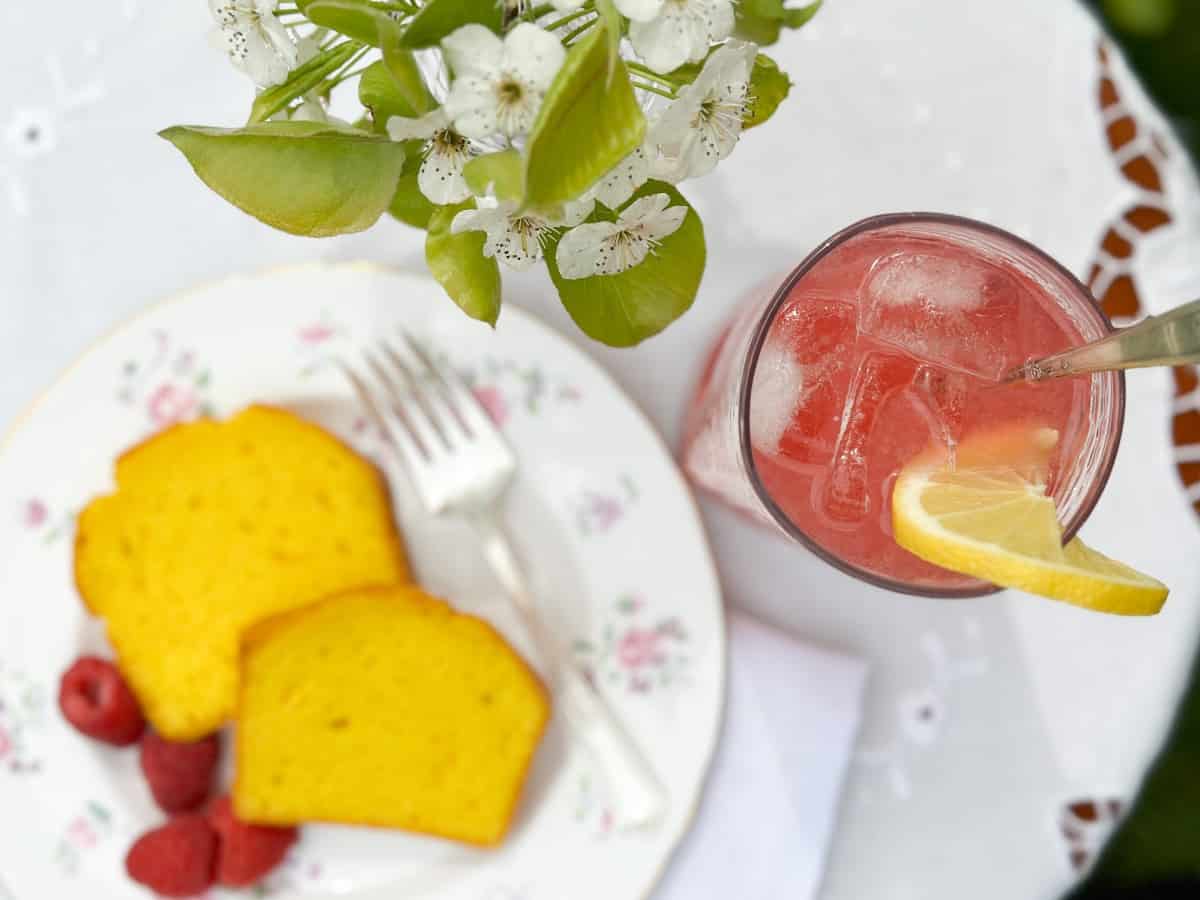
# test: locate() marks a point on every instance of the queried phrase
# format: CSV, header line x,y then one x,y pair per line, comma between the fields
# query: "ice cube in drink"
x,y
892,341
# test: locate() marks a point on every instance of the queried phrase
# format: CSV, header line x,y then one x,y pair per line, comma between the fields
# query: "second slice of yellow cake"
x,y
385,707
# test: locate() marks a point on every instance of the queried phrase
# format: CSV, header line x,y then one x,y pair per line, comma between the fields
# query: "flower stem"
x,y
570,36
349,75
569,17
536,12
642,86
344,73
650,74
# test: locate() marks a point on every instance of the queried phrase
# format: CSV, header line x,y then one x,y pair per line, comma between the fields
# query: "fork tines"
x,y
424,397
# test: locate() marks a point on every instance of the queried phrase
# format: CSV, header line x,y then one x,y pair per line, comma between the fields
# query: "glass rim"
x,y
763,327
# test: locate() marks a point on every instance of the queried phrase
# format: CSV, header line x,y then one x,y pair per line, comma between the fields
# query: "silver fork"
x,y
461,465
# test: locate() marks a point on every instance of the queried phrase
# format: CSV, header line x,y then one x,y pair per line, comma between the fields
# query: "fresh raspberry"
x,y
96,700
180,774
176,859
247,852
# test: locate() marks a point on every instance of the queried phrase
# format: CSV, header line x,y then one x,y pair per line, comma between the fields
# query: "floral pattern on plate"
x,y
637,650
86,804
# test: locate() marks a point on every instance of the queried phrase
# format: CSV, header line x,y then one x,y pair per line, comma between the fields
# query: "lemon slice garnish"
x,y
986,513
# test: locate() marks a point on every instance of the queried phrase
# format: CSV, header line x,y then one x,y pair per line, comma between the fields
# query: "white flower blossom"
x,y
702,125
634,10
609,248
445,153
682,31
516,239
499,83
256,42
622,180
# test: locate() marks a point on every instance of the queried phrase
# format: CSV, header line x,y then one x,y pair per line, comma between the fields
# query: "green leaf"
x,y
504,172
457,262
768,88
302,80
410,83
358,19
612,29
756,29
307,178
587,124
438,18
800,16
622,310
760,21
385,95
409,205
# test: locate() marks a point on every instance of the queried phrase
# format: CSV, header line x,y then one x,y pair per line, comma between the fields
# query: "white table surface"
x,y
970,108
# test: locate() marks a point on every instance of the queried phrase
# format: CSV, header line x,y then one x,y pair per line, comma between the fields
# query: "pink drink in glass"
x,y
891,337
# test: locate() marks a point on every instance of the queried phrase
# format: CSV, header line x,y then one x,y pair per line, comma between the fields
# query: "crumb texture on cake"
x,y
385,707
213,527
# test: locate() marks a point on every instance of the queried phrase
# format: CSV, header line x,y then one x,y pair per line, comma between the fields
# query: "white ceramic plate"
x,y
600,511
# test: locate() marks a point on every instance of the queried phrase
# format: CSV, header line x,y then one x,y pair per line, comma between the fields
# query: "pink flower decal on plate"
x,y
6,744
170,404
639,648
35,514
635,650
317,333
493,403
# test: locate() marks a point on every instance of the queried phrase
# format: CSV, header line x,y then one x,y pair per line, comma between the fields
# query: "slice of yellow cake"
x,y
385,707
213,527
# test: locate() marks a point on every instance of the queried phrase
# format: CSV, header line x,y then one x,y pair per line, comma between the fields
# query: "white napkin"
x,y
769,808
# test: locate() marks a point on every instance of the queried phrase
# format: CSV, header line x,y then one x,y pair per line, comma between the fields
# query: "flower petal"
x,y
224,12
485,218
665,223
473,50
639,10
671,126
472,106
440,177
575,211
402,128
664,42
262,63
309,111
580,249
279,39
625,177
699,154
719,19
643,209
517,248
533,54
566,5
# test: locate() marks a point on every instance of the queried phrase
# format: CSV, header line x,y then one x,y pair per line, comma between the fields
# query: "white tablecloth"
x,y
980,109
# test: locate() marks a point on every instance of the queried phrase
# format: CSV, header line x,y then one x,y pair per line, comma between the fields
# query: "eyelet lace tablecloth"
x,y
1003,735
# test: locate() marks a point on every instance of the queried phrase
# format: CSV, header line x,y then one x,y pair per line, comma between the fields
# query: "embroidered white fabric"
x,y
983,717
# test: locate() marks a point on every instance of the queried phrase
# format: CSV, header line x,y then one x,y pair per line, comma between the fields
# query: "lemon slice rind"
x,y
1001,528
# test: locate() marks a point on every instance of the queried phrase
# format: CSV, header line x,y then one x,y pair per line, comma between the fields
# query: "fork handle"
x,y
640,799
